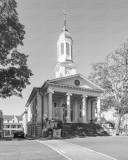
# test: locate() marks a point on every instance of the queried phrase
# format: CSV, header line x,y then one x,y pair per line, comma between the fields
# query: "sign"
x,y
57,133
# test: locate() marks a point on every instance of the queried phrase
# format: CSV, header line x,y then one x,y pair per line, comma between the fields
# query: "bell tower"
x,y
65,65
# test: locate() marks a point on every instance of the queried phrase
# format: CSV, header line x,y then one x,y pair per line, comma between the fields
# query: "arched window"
x,y
67,48
62,48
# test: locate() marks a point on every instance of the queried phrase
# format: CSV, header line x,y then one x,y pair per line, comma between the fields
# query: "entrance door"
x,y
64,108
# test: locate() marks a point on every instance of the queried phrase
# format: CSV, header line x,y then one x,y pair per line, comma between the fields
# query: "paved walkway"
x,y
74,152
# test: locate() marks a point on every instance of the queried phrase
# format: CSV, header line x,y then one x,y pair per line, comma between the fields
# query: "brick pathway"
x,y
74,152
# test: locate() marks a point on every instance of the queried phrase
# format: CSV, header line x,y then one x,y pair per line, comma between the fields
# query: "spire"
x,y
64,12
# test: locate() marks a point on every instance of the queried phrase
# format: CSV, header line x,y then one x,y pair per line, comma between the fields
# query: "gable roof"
x,y
9,117
19,118
58,80
35,89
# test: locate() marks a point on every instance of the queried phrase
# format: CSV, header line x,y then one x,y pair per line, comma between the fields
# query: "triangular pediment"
x,y
76,80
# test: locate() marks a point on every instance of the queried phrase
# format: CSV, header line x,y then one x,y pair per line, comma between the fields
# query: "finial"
x,y
64,12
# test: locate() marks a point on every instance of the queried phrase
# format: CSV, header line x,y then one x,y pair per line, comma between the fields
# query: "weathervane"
x,y
65,12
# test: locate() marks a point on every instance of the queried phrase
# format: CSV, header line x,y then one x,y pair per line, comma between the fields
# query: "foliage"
x,y
112,76
14,72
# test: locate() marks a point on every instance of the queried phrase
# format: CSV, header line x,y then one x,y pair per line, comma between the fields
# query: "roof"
x,y
74,75
31,95
65,34
56,82
9,117
19,118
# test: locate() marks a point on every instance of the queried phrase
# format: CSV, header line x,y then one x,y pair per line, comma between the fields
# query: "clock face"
x,y
77,82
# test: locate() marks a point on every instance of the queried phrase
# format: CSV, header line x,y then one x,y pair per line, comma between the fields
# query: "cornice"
x,y
74,87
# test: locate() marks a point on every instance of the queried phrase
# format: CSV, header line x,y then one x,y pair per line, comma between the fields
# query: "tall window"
x,y
62,48
80,113
67,48
71,112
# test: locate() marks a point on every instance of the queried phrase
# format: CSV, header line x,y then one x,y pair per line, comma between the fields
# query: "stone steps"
x,y
71,130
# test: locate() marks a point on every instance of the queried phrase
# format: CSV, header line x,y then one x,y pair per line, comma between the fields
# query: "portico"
x,y
71,103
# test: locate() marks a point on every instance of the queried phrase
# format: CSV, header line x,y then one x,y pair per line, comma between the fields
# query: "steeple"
x,y
65,65
65,12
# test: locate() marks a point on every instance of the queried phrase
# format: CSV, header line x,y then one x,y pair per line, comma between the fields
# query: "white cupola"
x,y
65,64
64,45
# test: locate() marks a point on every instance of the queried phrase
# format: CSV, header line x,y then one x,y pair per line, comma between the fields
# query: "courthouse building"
x,y
69,97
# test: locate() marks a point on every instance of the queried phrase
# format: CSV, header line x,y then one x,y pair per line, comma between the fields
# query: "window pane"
x,y
67,48
80,114
13,126
19,126
62,48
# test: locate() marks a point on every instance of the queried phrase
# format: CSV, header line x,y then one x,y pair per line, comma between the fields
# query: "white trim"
x,y
74,87
91,150
65,154
92,82
59,151
71,76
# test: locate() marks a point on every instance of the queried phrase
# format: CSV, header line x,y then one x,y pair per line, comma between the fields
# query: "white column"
x,y
76,110
70,51
98,109
68,107
50,106
50,92
39,108
64,50
61,109
84,112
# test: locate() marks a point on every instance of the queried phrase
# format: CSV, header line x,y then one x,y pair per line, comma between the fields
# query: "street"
x,y
88,148
22,149
116,147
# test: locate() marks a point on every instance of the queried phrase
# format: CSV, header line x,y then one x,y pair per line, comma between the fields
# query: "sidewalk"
x,y
5,138
74,152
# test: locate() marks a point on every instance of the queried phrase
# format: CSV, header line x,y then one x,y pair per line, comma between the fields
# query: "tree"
x,y
14,72
112,75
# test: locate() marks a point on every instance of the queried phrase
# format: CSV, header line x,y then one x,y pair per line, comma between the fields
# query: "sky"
x,y
97,27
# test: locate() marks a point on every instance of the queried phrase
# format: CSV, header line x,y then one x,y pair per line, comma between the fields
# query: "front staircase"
x,y
71,130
